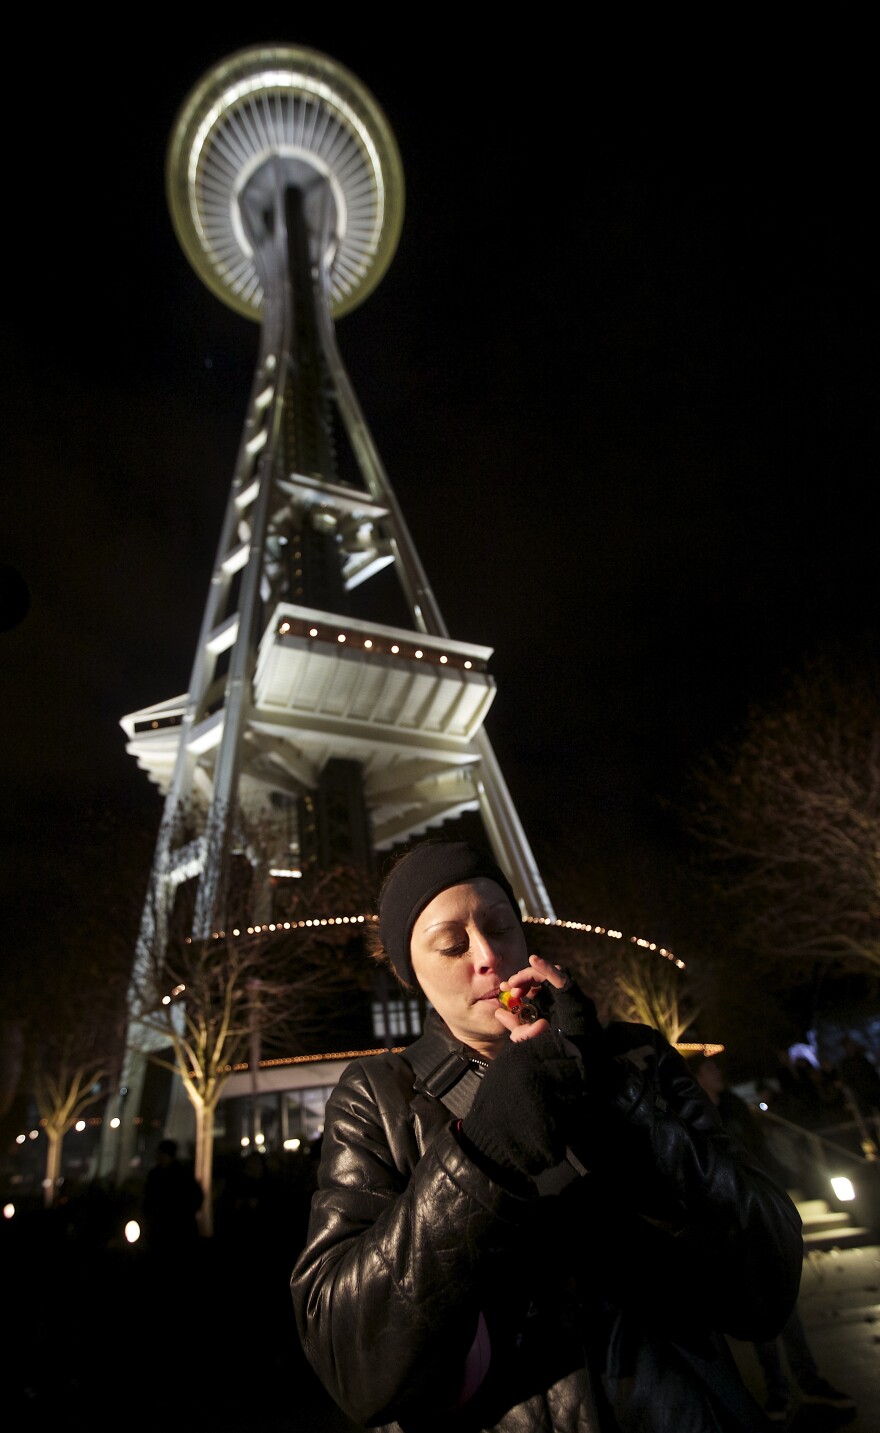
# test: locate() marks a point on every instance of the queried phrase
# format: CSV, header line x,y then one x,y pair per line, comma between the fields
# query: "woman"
x,y
530,1223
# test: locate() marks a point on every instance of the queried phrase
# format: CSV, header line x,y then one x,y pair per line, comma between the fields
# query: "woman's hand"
x,y
564,1009
525,1103
526,983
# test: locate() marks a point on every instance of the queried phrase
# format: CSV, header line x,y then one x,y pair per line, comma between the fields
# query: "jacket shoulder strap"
x,y
443,1074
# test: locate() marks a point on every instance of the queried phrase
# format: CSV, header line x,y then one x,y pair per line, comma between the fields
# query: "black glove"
x,y
569,1011
523,1107
572,1015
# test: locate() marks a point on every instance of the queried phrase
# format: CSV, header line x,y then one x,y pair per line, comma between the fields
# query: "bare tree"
x,y
787,822
65,980
64,1087
73,1039
652,993
202,1008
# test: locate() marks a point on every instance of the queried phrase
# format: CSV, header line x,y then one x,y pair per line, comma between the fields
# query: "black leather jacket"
x,y
605,1299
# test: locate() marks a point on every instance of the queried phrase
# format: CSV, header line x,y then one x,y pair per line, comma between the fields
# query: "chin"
x,y
491,1028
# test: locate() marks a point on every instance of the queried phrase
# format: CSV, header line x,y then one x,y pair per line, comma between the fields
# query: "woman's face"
x,y
464,943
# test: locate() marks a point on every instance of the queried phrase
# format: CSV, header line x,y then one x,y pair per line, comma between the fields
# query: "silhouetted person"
x,y
744,1125
255,1204
799,1099
859,1077
172,1200
831,1094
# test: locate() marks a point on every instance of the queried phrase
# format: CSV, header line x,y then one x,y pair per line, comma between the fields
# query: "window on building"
x,y
396,1017
302,1113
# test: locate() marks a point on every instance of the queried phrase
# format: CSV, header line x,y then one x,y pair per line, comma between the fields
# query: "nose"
x,y
485,956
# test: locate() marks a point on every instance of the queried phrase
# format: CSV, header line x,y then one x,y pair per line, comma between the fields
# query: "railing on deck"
x,y
815,1157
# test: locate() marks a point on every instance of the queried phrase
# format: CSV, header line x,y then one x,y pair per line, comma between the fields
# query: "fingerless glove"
x,y
572,1015
569,1011
517,1124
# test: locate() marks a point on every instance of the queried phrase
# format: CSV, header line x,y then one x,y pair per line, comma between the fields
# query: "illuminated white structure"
x,y
286,191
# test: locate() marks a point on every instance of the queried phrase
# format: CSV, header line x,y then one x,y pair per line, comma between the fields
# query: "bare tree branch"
x,y
788,821
651,994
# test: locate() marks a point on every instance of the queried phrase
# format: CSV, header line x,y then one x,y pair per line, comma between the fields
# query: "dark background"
x,y
621,373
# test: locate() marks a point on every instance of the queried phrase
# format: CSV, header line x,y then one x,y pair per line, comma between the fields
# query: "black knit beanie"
x,y
417,878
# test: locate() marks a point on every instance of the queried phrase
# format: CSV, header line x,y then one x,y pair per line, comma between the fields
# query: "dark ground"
x,y
105,1336
109,1336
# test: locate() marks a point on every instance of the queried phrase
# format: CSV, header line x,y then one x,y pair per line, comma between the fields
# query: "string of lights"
x,y
377,646
555,922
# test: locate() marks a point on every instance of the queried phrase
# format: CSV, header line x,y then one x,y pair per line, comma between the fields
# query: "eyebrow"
x,y
502,904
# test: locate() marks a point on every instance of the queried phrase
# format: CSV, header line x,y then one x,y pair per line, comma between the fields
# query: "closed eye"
x,y
463,946
460,949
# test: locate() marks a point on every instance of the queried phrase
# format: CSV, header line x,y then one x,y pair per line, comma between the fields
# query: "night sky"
x,y
621,373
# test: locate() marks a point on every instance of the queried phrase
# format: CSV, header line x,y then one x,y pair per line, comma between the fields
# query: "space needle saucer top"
x,y
297,108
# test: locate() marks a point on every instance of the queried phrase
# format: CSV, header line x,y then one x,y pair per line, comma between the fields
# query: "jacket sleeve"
x,y
721,1222
385,1290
